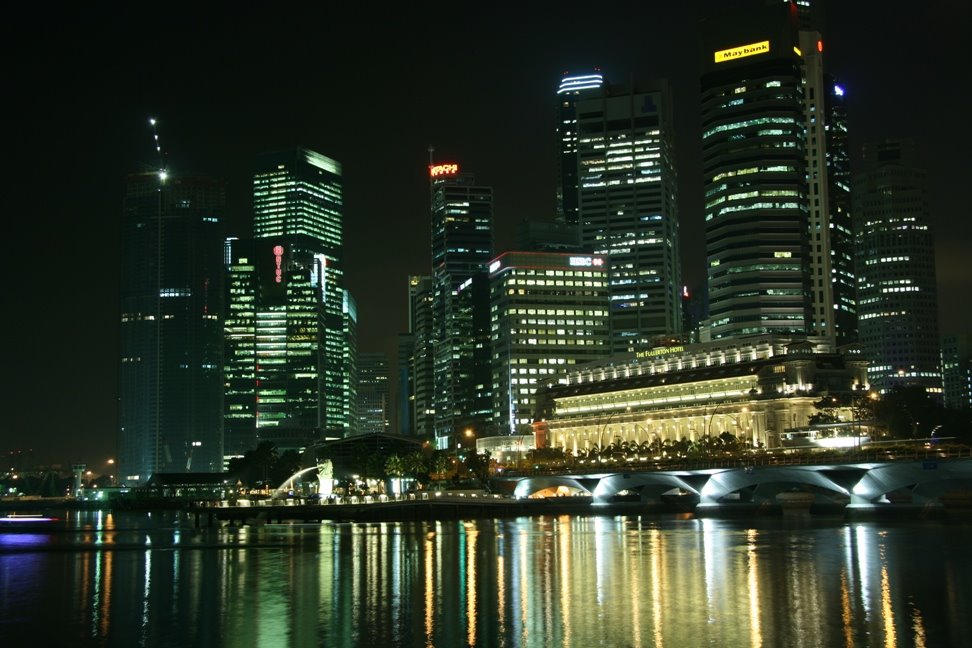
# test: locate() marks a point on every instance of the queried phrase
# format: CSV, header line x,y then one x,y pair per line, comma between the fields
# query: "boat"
x,y
26,517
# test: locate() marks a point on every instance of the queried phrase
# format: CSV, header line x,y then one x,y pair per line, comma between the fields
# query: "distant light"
x,y
163,175
819,45
152,120
839,91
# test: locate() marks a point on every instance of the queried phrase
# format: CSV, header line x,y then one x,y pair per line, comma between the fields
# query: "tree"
x,y
479,464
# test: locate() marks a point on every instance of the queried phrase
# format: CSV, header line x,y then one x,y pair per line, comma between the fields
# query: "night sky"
x,y
373,91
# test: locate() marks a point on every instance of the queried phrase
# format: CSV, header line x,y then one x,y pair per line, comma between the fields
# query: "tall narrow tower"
x,y
462,244
171,327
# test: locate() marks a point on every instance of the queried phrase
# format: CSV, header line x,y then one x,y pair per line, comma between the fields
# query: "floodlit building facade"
x,y
757,388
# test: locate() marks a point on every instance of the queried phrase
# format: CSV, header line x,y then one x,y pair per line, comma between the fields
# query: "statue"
x,y
325,478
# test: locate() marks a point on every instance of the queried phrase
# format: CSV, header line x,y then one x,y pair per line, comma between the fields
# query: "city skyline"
x,y
85,117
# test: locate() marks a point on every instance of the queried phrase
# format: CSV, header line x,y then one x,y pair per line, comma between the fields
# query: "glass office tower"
x,y
171,327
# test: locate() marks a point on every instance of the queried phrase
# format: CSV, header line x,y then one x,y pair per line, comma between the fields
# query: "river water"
x,y
140,579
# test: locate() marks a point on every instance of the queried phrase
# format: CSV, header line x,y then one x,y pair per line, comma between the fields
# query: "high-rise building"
x,y
405,413
287,336
957,370
273,337
840,226
755,166
462,243
373,394
548,312
171,327
422,360
628,207
348,419
572,87
895,256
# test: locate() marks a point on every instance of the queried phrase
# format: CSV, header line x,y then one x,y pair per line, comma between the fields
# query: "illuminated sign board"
x,y
494,266
585,262
742,51
651,353
438,170
278,257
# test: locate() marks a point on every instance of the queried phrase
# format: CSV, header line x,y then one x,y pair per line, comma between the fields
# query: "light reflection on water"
x,y
127,579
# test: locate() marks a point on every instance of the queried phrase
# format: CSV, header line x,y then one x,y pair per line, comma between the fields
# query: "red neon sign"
x,y
437,170
278,257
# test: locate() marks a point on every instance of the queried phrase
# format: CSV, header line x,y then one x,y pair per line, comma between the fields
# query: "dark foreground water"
x,y
152,580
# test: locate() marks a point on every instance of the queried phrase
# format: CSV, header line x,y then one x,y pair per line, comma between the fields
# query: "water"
x,y
101,579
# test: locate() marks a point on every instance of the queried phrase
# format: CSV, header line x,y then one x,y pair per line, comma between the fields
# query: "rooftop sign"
x,y
763,47
437,170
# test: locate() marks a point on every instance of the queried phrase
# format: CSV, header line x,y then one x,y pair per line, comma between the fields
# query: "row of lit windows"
x,y
746,123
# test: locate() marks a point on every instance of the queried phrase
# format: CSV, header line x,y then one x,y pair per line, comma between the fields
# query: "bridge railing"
x,y
753,459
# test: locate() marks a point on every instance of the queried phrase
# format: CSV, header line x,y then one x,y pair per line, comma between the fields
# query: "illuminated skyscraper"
x,y
287,336
628,207
548,313
840,226
171,327
462,243
895,254
572,87
754,159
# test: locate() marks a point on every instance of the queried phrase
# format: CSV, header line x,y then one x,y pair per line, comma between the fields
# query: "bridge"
x,y
919,481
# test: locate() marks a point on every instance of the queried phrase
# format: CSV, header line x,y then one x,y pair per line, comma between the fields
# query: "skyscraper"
x,y
374,397
754,158
957,370
841,225
572,87
628,207
897,302
171,321
548,312
287,336
422,358
462,243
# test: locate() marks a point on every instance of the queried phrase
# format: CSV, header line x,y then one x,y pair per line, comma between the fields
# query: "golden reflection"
x,y
429,589
105,625
564,558
887,614
471,535
657,549
753,573
846,612
501,594
524,586
919,627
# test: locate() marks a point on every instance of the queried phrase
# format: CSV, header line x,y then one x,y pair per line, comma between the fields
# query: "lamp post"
x,y
111,473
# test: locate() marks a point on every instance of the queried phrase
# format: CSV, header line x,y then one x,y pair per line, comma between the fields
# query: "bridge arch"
x,y
532,485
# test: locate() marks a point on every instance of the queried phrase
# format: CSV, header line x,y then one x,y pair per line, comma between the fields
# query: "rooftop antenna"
x,y
163,172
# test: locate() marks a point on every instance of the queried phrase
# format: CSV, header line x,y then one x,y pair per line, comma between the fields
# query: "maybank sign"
x,y
742,51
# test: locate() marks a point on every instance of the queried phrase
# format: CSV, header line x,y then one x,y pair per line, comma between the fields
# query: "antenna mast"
x,y
163,172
